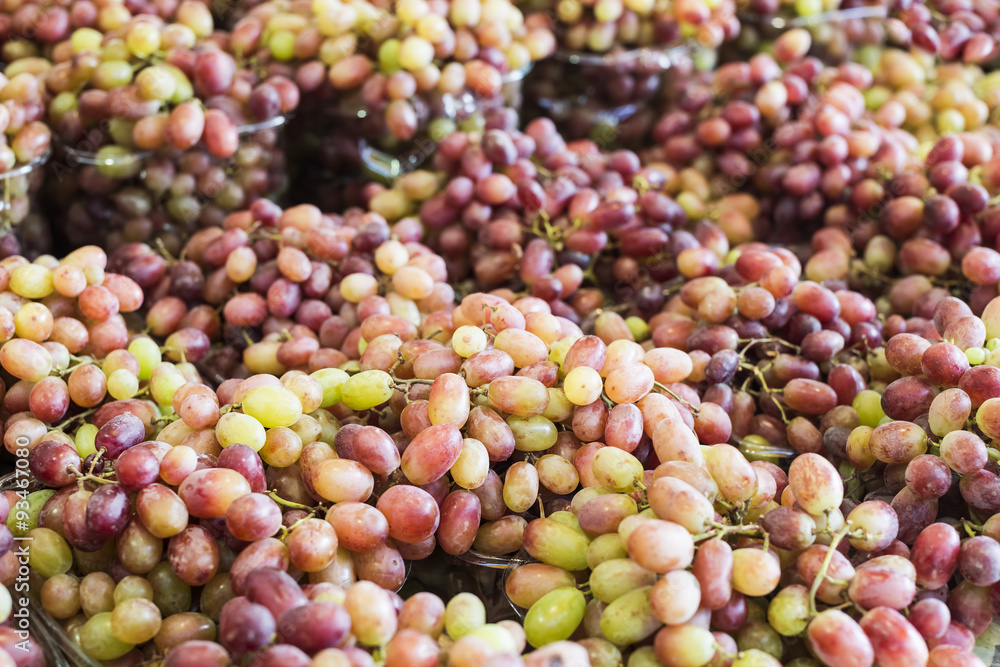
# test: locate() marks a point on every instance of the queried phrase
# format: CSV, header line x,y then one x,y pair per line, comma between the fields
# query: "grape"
x,y
838,639
630,617
555,616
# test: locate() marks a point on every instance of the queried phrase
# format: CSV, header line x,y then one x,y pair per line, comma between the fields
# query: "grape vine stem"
x,y
664,388
821,575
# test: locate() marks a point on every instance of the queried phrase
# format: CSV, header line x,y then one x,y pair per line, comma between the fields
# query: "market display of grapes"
x,y
319,348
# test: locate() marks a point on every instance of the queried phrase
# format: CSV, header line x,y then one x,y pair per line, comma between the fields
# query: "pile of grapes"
x,y
704,372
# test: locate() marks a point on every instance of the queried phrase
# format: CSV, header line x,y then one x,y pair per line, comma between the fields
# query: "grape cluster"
x,y
25,145
160,129
953,32
392,70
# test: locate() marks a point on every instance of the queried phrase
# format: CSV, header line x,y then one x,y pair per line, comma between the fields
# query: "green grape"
x,y
331,380
755,658
604,548
84,440
170,594
868,405
629,619
282,45
588,493
759,635
532,434
555,616
183,88
164,381
147,353
272,406
496,636
366,390
388,56
465,612
614,578
638,327
122,384
808,7
788,612
49,554
644,657
617,470
156,83
566,519
98,641
602,652
556,544
234,427
23,515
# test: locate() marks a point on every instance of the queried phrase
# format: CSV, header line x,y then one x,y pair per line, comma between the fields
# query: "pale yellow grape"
x,y
366,390
357,286
472,466
583,385
331,380
272,406
433,28
147,353
465,13
6,604
164,381
410,11
463,614
32,281
391,255
400,306
33,321
467,340
415,53
234,427
86,39
559,408
497,636
135,620
617,470
122,384
558,350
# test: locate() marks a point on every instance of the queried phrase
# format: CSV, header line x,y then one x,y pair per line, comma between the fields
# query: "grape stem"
x,y
82,415
88,477
722,529
273,495
993,454
971,528
664,388
821,575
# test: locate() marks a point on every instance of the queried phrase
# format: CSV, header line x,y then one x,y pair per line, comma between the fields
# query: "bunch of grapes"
x,y
966,32
839,30
25,144
391,70
160,129
29,29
